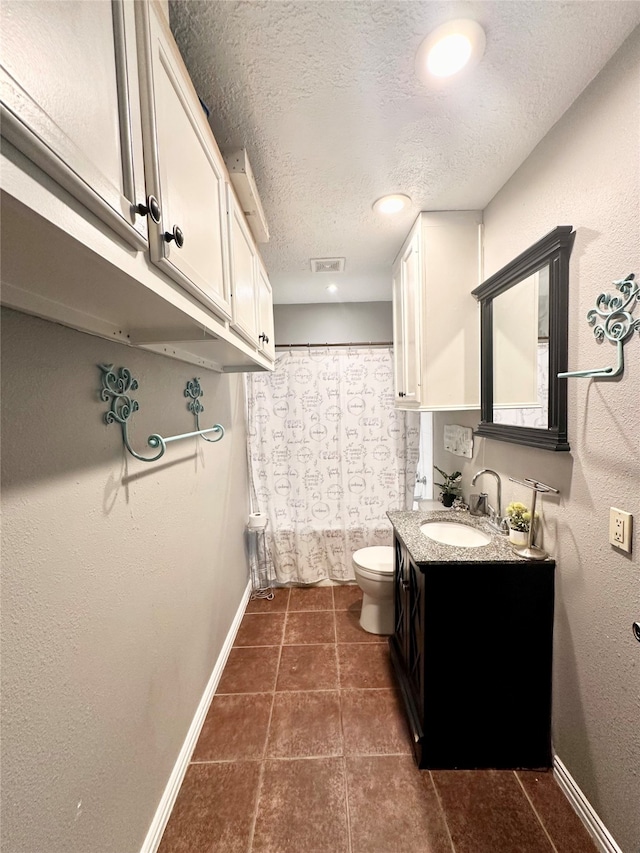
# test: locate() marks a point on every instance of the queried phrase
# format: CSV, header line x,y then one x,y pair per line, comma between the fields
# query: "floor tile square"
x,y
252,670
260,629
487,812
316,626
279,602
311,598
365,665
373,723
346,595
348,629
305,725
214,809
565,828
235,728
391,809
308,668
302,807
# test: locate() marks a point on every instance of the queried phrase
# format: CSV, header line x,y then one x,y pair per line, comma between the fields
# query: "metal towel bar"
x,y
616,325
116,388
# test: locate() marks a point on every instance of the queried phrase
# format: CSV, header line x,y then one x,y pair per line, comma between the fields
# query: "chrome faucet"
x,y
496,519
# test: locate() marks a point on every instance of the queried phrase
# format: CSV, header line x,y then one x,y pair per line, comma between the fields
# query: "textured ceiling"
x,y
324,97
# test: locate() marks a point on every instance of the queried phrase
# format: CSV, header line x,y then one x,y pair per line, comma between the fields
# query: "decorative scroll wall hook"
x,y
194,391
611,319
116,388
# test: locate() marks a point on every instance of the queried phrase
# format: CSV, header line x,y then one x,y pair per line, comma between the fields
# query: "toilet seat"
x,y
377,560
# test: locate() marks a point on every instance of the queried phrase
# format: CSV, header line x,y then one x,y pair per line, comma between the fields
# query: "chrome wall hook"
x,y
616,325
116,389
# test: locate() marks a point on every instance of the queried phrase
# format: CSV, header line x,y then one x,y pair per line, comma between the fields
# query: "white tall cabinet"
x,y
435,317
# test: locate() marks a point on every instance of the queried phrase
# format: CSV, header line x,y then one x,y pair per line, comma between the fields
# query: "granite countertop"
x,y
407,524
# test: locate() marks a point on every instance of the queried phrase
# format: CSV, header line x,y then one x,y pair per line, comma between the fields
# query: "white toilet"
x,y
373,568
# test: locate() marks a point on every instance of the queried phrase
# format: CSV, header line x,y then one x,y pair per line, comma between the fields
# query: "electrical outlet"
x,y
620,529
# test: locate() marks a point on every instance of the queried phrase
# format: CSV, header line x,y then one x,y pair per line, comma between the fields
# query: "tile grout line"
x,y
442,810
346,776
346,796
535,811
263,761
252,831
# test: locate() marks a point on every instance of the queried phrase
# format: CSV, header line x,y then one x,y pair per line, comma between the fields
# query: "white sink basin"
x,y
453,533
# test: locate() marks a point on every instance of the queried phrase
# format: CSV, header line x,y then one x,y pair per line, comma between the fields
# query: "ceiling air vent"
x,y
327,264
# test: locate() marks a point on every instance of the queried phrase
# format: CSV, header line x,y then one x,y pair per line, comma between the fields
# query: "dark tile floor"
x,y
305,750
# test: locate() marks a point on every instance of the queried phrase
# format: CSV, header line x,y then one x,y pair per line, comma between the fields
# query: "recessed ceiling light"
x,y
450,48
391,203
332,288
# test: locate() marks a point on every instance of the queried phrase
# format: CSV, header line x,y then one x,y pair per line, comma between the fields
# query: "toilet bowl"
x,y
373,569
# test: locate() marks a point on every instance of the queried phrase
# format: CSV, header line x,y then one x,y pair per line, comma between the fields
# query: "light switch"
x,y
620,529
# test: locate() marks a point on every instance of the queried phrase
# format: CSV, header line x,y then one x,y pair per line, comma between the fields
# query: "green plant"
x,y
451,484
519,516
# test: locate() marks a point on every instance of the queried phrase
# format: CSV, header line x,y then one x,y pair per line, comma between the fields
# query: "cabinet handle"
x,y
264,338
151,208
176,235
401,394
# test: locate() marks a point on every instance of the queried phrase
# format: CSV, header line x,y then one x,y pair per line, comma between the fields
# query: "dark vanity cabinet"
x,y
472,653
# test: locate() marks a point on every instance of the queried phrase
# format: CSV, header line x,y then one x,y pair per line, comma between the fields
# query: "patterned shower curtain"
x,y
328,456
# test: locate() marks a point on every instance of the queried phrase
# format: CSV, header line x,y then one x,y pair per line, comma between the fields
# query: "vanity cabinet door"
x,y
70,103
406,644
184,170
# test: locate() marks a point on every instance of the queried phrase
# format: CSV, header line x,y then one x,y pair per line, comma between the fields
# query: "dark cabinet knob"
x,y
151,208
264,338
401,394
176,235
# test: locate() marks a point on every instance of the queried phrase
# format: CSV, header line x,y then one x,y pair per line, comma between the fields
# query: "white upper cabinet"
x,y
265,312
243,258
406,307
97,103
184,169
70,102
436,321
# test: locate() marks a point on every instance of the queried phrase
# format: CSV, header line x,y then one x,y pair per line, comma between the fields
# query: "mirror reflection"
x,y
521,353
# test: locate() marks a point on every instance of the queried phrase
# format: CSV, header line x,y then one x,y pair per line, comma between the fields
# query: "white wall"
x,y
585,173
332,323
120,582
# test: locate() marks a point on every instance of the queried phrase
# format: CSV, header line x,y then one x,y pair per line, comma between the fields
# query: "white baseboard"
x,y
602,837
167,801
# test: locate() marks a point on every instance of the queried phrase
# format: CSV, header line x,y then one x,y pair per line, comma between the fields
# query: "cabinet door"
x,y
401,601
242,252
409,395
184,169
265,312
398,335
70,102
415,634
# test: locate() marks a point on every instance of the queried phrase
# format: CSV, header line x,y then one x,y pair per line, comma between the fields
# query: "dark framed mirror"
x,y
524,322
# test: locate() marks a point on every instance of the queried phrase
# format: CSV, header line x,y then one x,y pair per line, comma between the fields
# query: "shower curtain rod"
x,y
325,345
